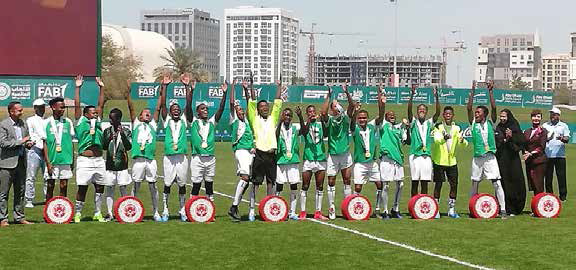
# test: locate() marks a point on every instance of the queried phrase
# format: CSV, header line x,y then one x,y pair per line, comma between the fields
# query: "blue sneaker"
x,y
251,215
157,217
454,215
293,217
437,215
183,218
395,214
165,217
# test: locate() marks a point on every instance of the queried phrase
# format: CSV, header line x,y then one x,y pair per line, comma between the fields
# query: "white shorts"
x,y
420,168
313,166
366,171
486,165
121,178
175,168
287,173
390,170
90,170
202,168
244,161
59,172
144,169
336,163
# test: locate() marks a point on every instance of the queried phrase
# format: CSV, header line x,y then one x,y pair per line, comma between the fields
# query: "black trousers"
x,y
264,167
558,164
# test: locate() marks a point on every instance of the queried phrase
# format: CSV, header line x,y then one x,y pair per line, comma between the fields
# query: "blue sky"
x,y
420,23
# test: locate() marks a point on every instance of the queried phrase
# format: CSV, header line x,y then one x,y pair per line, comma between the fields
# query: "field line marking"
x,y
382,240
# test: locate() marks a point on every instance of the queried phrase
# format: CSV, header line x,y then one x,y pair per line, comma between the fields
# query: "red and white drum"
x,y
273,209
356,207
546,205
483,205
128,209
58,210
200,209
422,206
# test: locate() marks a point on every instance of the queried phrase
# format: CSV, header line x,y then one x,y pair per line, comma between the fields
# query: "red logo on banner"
x,y
130,210
275,209
425,207
358,208
548,206
486,207
58,210
201,210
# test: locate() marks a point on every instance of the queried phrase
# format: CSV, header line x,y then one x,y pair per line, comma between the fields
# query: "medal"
x,y
204,145
424,148
92,131
175,147
141,147
289,155
58,148
486,148
367,155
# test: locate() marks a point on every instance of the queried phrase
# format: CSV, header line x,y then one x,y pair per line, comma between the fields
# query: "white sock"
x,y
78,207
165,197
182,198
500,194
399,186
303,200
253,197
123,190
384,197
378,199
347,190
451,205
293,201
153,197
97,203
136,189
319,198
109,194
331,195
240,187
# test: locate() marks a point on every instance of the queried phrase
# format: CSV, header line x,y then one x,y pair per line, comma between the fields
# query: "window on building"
x,y
183,28
163,28
142,27
169,28
176,28
156,27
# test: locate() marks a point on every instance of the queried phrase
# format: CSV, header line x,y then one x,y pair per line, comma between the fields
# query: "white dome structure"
x,y
144,45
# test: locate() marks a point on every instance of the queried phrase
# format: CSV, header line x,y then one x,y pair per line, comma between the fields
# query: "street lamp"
x,y
395,75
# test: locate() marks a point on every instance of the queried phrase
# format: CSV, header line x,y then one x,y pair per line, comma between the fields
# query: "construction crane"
x,y
312,49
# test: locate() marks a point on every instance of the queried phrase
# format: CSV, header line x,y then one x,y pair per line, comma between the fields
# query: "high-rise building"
x,y
573,40
188,28
503,58
420,70
260,40
555,71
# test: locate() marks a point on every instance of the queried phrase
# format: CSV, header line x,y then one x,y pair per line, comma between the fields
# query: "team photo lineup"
x,y
270,148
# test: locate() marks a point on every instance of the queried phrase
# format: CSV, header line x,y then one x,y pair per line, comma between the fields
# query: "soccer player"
x,y
264,125
202,161
339,158
421,142
175,161
243,147
288,157
144,167
312,132
117,141
365,139
58,150
90,166
35,158
484,162
447,137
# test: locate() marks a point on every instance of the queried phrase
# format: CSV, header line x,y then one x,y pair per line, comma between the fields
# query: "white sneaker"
x,y
251,215
332,212
29,204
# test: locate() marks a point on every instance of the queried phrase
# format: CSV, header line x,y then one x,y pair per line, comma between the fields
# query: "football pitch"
x,y
520,242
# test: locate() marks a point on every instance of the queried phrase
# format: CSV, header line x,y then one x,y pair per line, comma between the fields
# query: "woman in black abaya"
x,y
509,142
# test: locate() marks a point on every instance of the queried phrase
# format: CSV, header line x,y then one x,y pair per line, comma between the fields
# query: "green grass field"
x,y
517,243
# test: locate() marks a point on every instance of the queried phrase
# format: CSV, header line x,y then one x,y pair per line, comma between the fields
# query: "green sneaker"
x,y
98,217
77,217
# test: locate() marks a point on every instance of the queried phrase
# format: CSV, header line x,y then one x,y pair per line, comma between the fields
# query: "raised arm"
x,y
218,114
410,101
279,89
437,100
130,104
166,80
381,105
161,100
247,94
189,85
326,106
101,99
232,100
470,103
492,102
252,92
78,81
279,126
351,105
303,124
355,110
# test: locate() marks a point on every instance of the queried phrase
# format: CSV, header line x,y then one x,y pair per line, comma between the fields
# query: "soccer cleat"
x,y
157,217
29,204
183,218
377,214
233,213
453,215
98,217
437,215
503,215
109,217
77,218
332,212
211,198
165,217
251,215
302,215
293,216
318,216
385,216
395,214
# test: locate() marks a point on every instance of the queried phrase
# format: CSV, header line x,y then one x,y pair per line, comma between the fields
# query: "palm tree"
x,y
182,60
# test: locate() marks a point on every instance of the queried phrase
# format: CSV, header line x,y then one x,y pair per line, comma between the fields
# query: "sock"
x,y
319,198
384,197
293,201
209,185
451,205
474,188
253,197
78,207
153,197
438,204
240,188
136,189
279,189
123,190
399,185
109,194
331,195
196,189
500,195
182,198
165,197
347,190
378,199
97,203
270,188
303,200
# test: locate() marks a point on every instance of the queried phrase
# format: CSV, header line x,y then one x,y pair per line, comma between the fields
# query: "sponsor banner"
x,y
27,89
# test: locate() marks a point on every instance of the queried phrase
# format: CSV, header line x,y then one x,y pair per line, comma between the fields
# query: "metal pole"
x,y
395,43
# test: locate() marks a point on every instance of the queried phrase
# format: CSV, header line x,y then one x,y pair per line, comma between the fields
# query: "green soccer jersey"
x,y
89,133
58,139
175,142
365,141
421,139
242,136
144,139
288,150
202,136
483,138
391,142
117,144
314,147
338,139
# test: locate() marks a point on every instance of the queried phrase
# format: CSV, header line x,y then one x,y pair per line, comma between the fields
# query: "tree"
x,y
182,60
517,83
297,80
118,66
561,94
